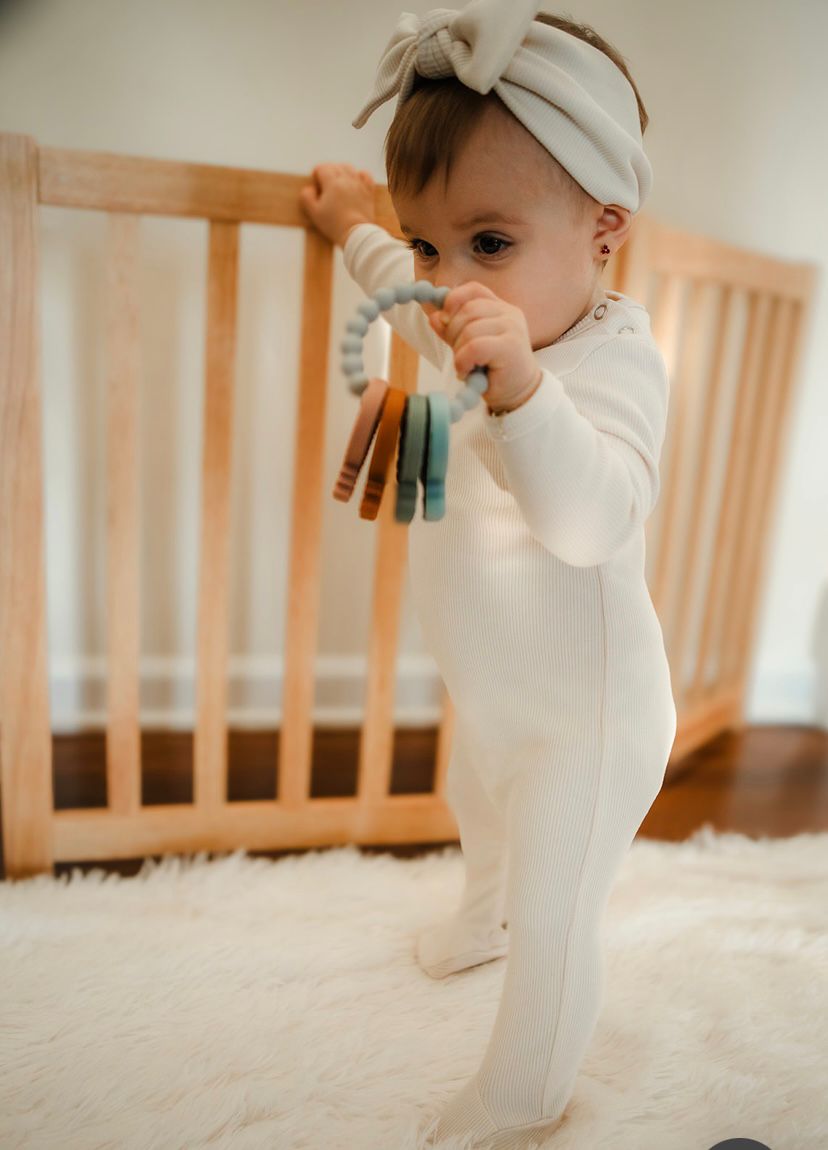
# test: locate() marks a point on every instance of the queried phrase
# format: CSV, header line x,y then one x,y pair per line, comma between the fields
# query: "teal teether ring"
x,y
351,347
410,463
436,458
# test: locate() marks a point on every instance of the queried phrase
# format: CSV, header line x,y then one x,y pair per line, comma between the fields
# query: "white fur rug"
x,y
256,1004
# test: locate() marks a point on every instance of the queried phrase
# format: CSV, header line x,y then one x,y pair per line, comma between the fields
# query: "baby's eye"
x,y
414,244
493,239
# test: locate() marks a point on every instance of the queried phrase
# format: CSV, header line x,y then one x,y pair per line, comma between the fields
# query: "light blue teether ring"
x,y
435,459
413,447
351,347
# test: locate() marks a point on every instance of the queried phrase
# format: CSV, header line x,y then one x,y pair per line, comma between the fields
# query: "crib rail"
x,y
676,274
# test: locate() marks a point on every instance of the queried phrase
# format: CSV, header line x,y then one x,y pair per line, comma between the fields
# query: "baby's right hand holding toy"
x,y
339,198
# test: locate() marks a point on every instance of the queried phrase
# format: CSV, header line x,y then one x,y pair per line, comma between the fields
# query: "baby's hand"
x,y
486,331
339,197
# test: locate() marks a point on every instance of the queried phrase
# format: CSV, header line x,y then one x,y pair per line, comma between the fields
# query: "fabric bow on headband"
x,y
573,99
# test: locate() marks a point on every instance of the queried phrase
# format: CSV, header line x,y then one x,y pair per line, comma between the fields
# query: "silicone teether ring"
x,y
385,445
436,458
365,425
410,461
351,347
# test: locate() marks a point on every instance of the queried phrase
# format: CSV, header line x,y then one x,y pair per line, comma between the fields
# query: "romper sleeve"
x,y
375,259
582,461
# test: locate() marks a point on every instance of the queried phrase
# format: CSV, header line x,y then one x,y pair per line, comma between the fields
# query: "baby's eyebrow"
x,y
493,217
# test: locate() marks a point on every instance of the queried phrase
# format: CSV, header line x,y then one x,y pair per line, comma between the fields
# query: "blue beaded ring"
x,y
351,347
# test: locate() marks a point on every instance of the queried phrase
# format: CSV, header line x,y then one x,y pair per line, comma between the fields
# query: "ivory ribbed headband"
x,y
573,99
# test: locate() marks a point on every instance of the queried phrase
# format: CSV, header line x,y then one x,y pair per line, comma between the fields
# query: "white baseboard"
x,y
254,692
778,695
794,694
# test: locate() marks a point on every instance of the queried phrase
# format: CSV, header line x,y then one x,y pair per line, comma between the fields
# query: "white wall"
x,y
736,94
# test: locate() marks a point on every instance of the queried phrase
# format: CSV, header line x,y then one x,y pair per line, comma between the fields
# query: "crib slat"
x,y
377,743
25,722
210,739
302,623
801,318
727,511
672,590
666,327
759,403
742,488
718,601
715,417
123,735
768,446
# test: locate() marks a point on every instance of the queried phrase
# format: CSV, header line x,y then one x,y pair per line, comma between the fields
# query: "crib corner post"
x,y
25,724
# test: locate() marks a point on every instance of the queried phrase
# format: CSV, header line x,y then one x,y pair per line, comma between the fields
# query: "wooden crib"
x,y
732,324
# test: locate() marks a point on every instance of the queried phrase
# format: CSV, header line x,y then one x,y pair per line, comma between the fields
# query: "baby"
x,y
515,166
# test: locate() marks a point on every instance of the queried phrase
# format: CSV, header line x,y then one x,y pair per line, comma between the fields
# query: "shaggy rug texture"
x,y
258,1004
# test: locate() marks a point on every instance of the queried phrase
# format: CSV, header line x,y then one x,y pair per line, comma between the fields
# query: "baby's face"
x,y
539,257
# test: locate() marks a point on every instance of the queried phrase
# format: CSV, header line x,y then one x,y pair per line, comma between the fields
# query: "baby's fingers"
x,y
439,323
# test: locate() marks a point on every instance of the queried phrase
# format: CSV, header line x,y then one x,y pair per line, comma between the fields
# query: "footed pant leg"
x,y
483,838
574,807
475,933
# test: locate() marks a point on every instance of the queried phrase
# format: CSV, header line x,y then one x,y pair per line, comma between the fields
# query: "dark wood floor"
x,y
762,781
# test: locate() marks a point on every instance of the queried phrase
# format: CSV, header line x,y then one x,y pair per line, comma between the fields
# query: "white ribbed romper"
x,y
531,595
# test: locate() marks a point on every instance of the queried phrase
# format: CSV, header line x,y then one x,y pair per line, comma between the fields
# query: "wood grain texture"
x,y
210,768
123,514
309,489
25,727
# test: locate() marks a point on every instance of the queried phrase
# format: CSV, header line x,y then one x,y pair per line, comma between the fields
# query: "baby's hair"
x,y
431,127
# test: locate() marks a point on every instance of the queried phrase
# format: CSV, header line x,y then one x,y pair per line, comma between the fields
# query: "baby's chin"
x,y
547,338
